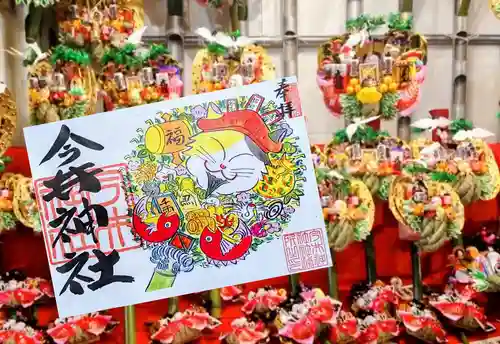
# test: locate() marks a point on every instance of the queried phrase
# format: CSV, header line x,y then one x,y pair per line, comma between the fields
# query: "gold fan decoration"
x,y
229,61
8,118
24,204
430,212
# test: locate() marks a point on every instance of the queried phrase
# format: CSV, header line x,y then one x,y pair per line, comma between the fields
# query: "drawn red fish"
x,y
166,226
220,249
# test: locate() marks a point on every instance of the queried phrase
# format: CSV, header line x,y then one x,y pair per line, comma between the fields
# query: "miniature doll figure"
x,y
354,72
120,81
73,11
113,10
162,81
58,88
419,192
220,72
382,152
388,64
356,152
34,83
175,84
147,76
248,73
339,76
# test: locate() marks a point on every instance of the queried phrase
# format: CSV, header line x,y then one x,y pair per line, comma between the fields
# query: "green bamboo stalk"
x,y
130,325
406,6
216,303
173,306
416,272
333,287
371,268
235,22
463,10
242,9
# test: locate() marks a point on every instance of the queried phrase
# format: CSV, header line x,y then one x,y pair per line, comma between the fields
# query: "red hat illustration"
x,y
247,122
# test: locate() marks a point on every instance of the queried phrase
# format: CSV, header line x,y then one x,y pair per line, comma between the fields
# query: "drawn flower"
x,y
199,112
133,165
243,197
181,170
288,210
145,173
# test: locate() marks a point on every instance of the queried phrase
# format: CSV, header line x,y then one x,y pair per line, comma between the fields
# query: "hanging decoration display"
x,y
370,155
134,75
421,322
24,292
362,76
62,84
348,208
229,60
96,29
460,152
429,210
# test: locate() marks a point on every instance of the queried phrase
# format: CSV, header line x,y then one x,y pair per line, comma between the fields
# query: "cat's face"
x,y
225,162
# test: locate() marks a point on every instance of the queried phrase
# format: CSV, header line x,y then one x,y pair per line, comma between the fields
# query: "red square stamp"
x,y
305,250
117,235
292,96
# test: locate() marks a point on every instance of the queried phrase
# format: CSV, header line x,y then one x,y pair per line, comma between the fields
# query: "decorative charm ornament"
x,y
229,61
361,76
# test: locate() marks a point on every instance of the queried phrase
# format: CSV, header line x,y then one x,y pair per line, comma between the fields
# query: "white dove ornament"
x,y
353,127
431,123
476,133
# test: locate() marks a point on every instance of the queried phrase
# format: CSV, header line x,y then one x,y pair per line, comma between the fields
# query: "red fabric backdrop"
x,y
21,249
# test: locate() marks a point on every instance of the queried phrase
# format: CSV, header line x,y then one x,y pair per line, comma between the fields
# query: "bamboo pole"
x,y
404,132
460,47
175,44
130,337
290,57
416,272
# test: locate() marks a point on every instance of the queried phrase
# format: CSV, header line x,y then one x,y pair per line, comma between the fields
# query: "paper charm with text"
x,y
177,197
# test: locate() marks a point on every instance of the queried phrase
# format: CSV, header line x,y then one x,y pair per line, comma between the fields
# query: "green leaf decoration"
x,y
364,21
157,50
460,124
351,106
216,49
416,168
498,113
364,134
124,56
417,130
397,22
29,58
64,53
443,177
388,108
